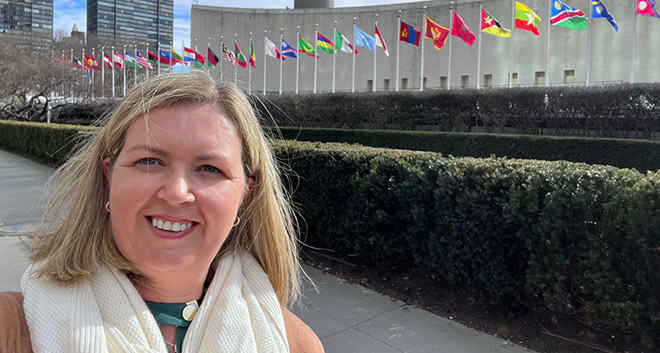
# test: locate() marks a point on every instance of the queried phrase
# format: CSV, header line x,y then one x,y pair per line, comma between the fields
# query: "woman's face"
x,y
175,188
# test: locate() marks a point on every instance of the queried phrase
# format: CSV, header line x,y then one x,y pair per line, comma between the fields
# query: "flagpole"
x,y
196,51
316,56
157,57
591,23
354,49
113,71
547,58
421,66
398,20
334,59
513,29
634,39
85,79
451,27
102,72
208,60
171,58
373,87
250,67
135,64
298,54
72,64
222,52
282,59
92,70
481,7
146,68
265,66
123,69
235,66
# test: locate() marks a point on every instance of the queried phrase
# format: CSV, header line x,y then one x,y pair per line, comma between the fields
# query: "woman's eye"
x,y
148,161
209,169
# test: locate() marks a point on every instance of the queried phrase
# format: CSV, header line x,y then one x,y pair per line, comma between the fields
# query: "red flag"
x,y
436,32
107,60
381,42
646,8
461,30
91,62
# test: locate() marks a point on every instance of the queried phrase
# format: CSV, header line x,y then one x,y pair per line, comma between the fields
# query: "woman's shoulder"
x,y
301,338
14,334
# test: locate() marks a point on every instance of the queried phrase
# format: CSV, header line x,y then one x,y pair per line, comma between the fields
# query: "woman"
x,y
173,233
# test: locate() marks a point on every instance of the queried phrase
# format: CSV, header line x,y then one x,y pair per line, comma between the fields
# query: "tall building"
x,y
29,23
120,22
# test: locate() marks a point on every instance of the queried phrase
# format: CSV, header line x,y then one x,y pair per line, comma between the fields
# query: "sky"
x,y
68,12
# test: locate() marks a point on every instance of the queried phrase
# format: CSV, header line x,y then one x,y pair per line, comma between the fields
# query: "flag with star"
x,y
461,30
567,16
492,26
646,8
526,18
601,12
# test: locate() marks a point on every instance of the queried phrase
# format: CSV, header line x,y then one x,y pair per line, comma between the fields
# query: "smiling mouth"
x,y
171,226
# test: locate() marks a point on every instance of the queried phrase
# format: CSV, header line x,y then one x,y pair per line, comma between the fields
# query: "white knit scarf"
x,y
240,313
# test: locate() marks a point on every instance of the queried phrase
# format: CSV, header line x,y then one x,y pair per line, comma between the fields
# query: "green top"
x,y
171,314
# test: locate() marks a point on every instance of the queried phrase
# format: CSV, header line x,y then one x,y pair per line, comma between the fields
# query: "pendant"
x,y
190,310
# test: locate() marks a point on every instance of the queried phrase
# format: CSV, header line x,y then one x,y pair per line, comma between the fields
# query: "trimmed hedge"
x,y
572,238
617,111
642,155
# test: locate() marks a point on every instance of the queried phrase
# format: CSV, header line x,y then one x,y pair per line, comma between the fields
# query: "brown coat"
x,y
15,336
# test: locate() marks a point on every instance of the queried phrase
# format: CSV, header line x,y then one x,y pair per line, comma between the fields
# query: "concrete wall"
x,y
611,51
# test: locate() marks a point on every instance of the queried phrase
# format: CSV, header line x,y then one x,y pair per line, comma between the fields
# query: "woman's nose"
x,y
177,189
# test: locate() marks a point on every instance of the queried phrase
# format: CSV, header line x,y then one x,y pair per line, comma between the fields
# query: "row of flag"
x,y
563,15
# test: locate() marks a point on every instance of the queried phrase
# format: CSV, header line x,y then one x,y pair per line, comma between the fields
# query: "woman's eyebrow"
x,y
156,151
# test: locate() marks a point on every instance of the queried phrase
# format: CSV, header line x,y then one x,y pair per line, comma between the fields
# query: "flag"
x,y
228,55
66,59
646,8
288,50
164,57
130,60
78,64
143,62
409,34
380,42
271,49
492,26
526,18
176,58
305,47
253,58
107,61
364,40
323,43
119,60
91,62
461,30
213,59
601,12
343,44
240,57
199,60
567,17
153,59
437,33
188,56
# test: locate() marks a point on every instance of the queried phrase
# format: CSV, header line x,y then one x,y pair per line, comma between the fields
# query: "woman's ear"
x,y
107,169
250,186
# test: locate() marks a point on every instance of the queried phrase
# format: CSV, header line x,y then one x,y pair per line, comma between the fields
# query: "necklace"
x,y
174,314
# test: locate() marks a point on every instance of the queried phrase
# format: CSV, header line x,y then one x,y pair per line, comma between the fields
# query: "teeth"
x,y
169,226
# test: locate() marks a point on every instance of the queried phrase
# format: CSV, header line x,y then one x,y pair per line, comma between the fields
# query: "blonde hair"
x,y
82,238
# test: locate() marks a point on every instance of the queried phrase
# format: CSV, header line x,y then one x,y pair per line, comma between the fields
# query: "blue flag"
x,y
601,12
287,50
364,40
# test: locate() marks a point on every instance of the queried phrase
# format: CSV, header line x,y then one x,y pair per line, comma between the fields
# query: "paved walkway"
x,y
346,317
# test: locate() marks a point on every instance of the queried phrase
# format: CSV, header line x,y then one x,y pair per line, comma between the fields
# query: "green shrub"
x,y
642,155
571,238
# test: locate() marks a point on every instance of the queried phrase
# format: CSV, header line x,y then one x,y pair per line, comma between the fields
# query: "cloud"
x,y
68,12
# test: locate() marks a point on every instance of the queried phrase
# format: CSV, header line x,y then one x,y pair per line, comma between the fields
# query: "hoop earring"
x,y
107,206
236,222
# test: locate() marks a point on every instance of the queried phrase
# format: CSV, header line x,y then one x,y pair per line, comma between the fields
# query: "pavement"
x,y
346,317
